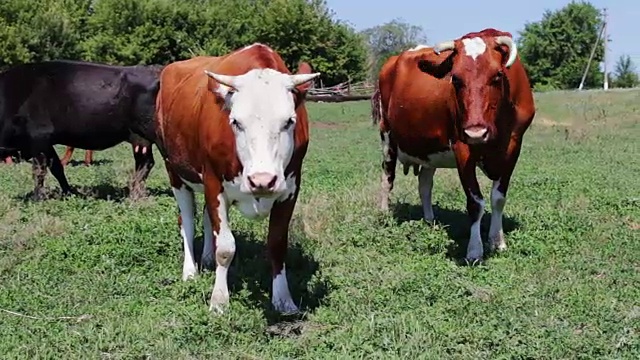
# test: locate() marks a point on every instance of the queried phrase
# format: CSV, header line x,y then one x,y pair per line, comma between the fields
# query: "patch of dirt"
x,y
326,125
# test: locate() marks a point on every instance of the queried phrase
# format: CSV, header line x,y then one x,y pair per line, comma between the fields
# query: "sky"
x,y
444,20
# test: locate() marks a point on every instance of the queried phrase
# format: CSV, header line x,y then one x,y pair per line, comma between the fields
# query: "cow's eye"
x,y
289,123
236,125
497,78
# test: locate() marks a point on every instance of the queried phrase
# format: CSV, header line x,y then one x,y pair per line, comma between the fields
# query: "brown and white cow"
x,y
461,104
235,127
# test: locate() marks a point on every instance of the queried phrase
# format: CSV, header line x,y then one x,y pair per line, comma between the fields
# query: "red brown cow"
x,y
463,103
235,127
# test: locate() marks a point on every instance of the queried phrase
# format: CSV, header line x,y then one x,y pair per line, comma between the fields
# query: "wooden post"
x,y
604,40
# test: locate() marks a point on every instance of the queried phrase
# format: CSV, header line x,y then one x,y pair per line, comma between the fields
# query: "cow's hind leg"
x,y
68,153
144,162
88,157
425,187
225,243
207,248
390,158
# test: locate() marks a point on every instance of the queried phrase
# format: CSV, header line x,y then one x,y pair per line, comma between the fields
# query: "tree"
x,y
390,39
625,73
556,49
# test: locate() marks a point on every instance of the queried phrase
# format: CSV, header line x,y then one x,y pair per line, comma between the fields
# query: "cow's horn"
x,y
226,80
513,49
444,46
303,78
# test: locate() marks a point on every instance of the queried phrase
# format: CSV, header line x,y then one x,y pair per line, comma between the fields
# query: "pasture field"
x,y
99,276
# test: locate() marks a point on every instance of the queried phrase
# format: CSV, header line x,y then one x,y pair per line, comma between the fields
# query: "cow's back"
x,y
417,106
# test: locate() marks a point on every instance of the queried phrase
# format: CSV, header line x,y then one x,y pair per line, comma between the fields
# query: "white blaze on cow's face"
x,y
263,117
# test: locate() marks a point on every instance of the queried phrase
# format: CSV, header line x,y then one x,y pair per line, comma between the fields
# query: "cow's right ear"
x,y
226,84
433,65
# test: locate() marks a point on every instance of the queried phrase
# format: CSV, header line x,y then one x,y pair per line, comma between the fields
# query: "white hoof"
x,y
285,307
497,242
219,302
189,272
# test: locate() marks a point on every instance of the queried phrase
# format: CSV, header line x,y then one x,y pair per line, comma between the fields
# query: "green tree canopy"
x,y
129,32
556,49
625,73
390,39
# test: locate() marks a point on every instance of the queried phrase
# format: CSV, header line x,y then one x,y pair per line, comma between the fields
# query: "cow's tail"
x,y
376,107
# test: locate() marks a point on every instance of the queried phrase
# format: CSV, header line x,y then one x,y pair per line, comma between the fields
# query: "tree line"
x,y
131,32
555,50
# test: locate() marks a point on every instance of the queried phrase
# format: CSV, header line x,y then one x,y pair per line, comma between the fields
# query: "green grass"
x,y
372,285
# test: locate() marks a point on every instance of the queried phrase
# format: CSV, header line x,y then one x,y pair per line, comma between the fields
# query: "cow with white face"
x,y
236,128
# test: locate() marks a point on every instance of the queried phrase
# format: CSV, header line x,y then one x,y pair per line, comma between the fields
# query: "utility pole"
x,y
604,41
593,52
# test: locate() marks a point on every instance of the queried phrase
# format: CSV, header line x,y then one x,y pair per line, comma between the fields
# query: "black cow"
x,y
85,105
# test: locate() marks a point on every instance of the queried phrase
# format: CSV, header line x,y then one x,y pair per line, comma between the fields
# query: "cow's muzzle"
x,y
476,135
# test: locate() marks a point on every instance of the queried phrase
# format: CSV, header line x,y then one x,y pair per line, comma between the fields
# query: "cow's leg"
x,y
225,243
186,204
499,196
475,203
67,156
425,186
277,243
207,248
390,157
46,157
88,157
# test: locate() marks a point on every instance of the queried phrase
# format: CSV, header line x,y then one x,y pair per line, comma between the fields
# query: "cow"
x,y
139,145
461,104
236,128
79,104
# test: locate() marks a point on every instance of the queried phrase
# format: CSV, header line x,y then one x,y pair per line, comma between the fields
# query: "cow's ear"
x,y
224,85
303,81
435,65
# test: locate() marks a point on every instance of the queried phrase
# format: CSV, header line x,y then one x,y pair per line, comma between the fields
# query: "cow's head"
x,y
262,113
477,66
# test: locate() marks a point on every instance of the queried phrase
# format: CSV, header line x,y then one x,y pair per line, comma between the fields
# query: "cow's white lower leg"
x,y
186,204
225,251
385,181
281,297
207,248
496,235
425,185
474,249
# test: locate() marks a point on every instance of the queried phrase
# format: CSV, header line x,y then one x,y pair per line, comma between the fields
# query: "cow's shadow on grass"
x,y
456,224
103,191
100,162
251,270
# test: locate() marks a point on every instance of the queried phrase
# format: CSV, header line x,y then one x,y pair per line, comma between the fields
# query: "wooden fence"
x,y
345,91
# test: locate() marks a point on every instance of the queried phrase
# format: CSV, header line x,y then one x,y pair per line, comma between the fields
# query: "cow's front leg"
x,y
277,243
499,195
186,220
57,170
225,243
475,203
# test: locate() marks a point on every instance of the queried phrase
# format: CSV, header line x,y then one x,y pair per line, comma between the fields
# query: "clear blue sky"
x,y
443,20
